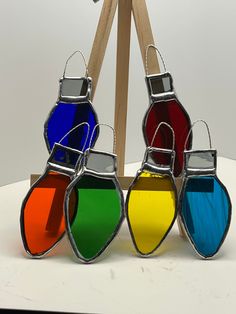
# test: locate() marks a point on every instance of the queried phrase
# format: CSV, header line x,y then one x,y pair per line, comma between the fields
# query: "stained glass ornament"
x,y
72,108
42,215
151,203
99,210
205,206
165,107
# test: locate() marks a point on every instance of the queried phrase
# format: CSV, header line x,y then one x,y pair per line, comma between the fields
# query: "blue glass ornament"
x,y
204,207
72,108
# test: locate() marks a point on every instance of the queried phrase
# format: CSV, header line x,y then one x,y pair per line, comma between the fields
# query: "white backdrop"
x,y
197,40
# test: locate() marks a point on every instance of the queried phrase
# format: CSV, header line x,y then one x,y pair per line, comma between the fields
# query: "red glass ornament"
x,y
172,112
165,107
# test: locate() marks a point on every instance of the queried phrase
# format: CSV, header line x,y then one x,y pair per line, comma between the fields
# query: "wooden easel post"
x,y
145,36
101,40
122,79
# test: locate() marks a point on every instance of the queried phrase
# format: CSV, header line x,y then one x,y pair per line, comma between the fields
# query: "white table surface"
x,y
175,280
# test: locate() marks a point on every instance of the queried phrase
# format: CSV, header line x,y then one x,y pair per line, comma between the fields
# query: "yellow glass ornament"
x,y
151,204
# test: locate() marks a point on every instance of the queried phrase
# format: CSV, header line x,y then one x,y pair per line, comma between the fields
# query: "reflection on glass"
x,y
101,162
159,159
200,160
74,87
160,85
65,157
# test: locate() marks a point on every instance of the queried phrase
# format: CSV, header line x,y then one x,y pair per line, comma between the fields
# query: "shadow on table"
x,y
173,247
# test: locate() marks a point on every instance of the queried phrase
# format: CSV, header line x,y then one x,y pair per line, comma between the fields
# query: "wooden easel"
x,y
143,27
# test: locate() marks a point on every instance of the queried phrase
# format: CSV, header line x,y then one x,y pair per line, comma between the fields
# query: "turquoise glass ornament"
x,y
204,205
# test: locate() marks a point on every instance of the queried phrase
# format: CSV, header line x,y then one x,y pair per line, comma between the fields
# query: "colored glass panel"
x,y
100,162
42,213
74,87
201,160
171,112
63,118
206,213
157,159
98,215
65,157
151,209
160,85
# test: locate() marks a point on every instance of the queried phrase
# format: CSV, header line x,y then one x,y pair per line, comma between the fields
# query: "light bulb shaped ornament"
x,y
165,107
42,215
99,210
204,205
72,108
151,203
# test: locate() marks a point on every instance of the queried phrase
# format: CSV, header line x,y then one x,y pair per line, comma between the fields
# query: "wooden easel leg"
x,y
145,36
101,40
122,79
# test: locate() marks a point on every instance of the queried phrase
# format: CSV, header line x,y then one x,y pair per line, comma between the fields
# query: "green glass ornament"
x,y
99,205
